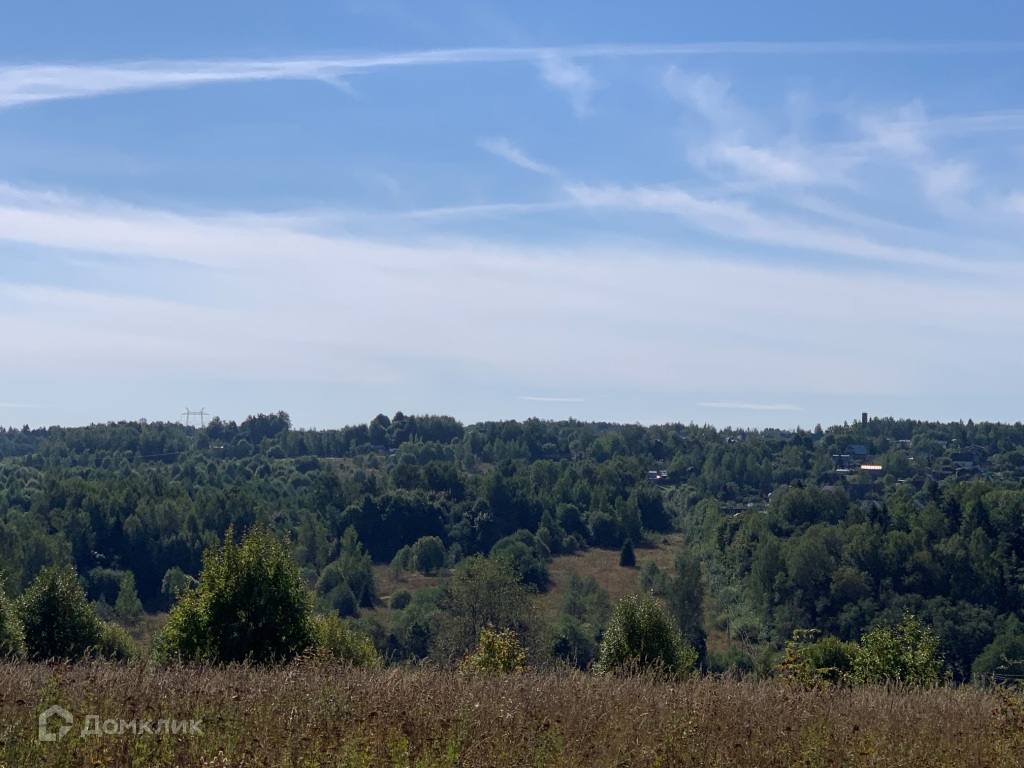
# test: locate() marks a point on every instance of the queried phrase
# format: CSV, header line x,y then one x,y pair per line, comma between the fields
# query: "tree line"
x,y
784,531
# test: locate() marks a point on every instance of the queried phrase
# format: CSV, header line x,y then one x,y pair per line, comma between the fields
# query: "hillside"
x,y
839,529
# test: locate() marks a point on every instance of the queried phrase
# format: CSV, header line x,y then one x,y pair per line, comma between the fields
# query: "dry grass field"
x,y
312,715
603,565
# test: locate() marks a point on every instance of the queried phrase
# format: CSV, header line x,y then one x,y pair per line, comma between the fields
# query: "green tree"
x,y
12,637
347,582
250,605
907,653
174,584
56,617
627,558
1004,656
685,600
640,636
128,607
483,592
428,555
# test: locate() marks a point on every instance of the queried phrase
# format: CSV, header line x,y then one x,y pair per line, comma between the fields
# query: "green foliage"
x,y
836,551
685,598
496,652
428,555
483,592
250,605
575,642
527,555
652,579
400,599
640,636
128,607
174,584
116,644
56,617
812,662
907,653
347,583
627,558
402,561
12,636
334,636
586,601
1003,658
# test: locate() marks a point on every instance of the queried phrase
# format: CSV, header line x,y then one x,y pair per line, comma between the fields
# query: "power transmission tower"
x,y
201,415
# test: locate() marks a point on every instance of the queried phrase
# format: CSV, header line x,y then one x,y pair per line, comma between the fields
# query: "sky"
x,y
743,214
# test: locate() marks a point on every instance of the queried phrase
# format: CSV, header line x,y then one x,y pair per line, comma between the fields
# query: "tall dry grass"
x,y
310,715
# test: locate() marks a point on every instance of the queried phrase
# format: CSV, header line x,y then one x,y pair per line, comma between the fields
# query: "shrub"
x,y
333,636
401,599
907,653
116,644
811,663
496,653
641,636
250,605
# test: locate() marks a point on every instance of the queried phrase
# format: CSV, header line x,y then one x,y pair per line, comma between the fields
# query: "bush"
x,y
812,663
907,653
401,599
56,617
250,605
333,636
496,653
641,636
116,644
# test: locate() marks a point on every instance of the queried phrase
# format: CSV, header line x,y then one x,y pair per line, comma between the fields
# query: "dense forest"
x,y
839,530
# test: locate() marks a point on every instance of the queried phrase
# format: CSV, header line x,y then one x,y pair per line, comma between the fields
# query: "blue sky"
x,y
736,213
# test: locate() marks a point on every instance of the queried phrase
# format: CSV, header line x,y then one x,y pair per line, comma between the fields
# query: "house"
x,y
964,460
842,461
872,470
857,450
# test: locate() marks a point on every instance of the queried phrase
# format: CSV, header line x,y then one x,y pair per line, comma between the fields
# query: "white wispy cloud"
x,y
566,75
737,220
707,94
539,399
751,406
31,83
506,150
271,290
766,164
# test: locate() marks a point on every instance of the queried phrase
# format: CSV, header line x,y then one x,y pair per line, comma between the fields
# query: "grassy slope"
x,y
310,715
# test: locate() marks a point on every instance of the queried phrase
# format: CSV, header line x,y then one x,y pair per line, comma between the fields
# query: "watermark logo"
x,y
96,726
61,714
